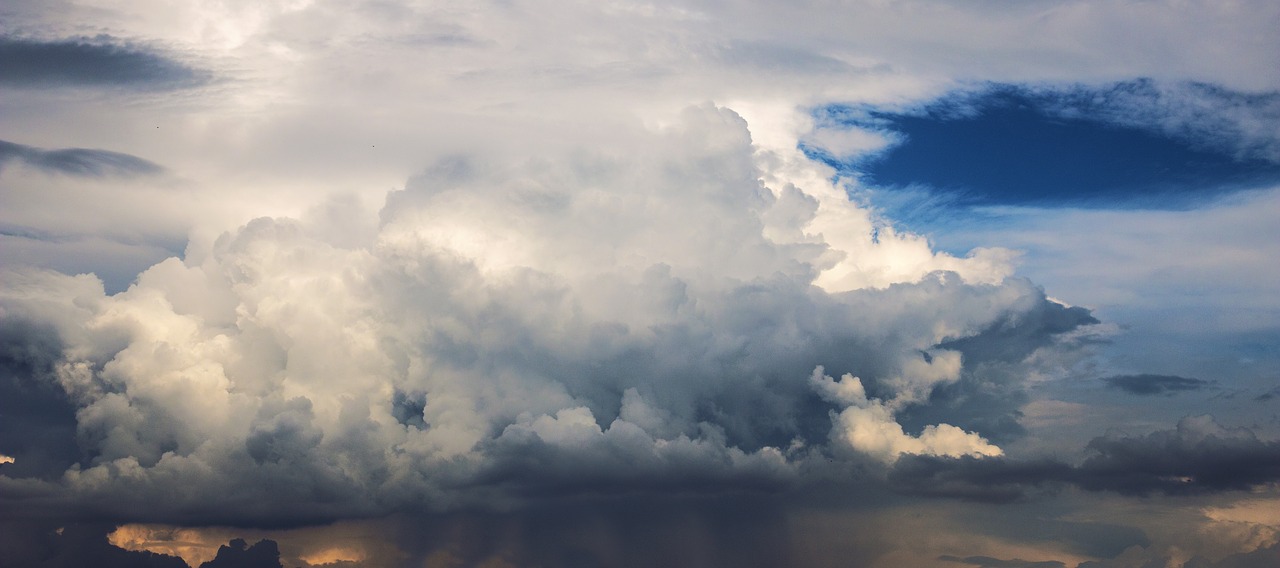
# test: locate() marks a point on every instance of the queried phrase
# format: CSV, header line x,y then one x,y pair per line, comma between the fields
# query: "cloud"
x,y
989,481
40,543
240,554
1261,557
989,562
868,425
101,61
610,323
596,305
80,162
1199,456
1154,384
1269,395
35,414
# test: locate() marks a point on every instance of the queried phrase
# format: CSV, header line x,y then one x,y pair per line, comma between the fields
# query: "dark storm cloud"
x,y
92,62
1018,334
988,480
37,421
648,530
1154,384
82,162
989,562
24,544
990,390
1199,456
240,554
1262,557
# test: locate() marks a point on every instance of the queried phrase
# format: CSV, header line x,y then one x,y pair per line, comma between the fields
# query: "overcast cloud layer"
x,y
421,284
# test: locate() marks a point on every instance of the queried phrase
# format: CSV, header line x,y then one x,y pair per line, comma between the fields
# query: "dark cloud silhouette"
x,y
989,562
1198,456
83,162
990,391
100,61
1154,384
1264,557
27,544
240,554
37,421
989,480
1269,395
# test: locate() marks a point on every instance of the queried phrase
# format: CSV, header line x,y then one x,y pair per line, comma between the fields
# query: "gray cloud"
x,y
1145,384
1199,456
1269,395
82,162
49,544
605,326
240,554
35,414
1261,557
989,562
100,61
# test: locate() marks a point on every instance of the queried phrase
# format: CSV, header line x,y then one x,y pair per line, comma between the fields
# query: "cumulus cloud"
x,y
597,303
868,425
609,322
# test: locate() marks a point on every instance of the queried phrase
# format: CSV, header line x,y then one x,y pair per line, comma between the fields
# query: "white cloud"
x,y
868,425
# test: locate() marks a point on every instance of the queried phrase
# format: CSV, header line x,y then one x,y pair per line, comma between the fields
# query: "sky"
x,y
386,283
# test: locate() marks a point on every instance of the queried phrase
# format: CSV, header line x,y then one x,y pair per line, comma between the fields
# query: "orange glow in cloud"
x,y
194,546
308,547
334,554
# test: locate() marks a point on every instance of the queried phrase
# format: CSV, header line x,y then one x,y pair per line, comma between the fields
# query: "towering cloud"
x,y
600,321
418,284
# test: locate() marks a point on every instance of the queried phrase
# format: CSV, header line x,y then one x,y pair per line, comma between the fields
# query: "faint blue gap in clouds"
x,y
1131,145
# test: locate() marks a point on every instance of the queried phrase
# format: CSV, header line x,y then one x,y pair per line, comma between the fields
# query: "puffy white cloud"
x,y
868,425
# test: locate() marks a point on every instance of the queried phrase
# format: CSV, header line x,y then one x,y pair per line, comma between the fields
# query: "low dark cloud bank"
x,y
1155,384
989,562
1199,456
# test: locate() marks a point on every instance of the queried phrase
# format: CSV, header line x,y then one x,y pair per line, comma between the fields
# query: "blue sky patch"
x,y
1009,145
